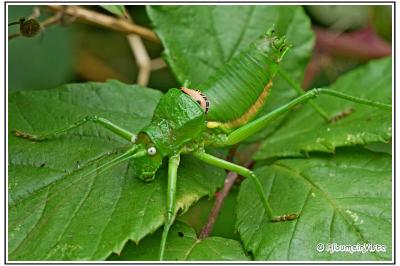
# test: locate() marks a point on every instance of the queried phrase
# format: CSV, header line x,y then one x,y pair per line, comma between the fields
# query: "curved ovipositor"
x,y
238,90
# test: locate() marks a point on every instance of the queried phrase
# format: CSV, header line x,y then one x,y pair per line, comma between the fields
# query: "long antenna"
x,y
134,152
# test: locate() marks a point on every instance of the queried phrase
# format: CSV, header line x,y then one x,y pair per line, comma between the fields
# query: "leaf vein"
x,y
33,227
72,216
111,215
187,254
330,200
296,223
242,32
215,36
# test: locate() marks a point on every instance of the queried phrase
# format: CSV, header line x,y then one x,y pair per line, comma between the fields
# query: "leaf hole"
x,y
181,234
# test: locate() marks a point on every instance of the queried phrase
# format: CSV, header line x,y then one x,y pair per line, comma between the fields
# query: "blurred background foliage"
x,y
347,36
78,52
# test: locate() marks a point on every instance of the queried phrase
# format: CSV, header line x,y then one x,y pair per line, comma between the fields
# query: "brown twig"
x,y
52,20
157,63
219,199
14,35
57,18
143,60
94,17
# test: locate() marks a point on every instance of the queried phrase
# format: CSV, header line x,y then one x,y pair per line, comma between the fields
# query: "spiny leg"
x,y
253,127
171,204
101,121
249,174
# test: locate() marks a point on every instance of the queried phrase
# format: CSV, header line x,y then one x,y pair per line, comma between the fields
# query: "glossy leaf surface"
x,y
343,199
56,211
306,131
183,244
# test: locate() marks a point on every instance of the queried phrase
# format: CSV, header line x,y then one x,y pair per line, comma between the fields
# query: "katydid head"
x,y
177,120
145,167
273,44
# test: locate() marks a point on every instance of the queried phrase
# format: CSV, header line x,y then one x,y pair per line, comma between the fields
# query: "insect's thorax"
x,y
177,120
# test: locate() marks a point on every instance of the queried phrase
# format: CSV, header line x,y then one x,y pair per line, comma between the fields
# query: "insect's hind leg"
x,y
173,165
254,126
99,120
249,174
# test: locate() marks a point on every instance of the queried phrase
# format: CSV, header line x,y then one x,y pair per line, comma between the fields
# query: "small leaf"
x,y
58,213
118,10
343,199
305,131
182,244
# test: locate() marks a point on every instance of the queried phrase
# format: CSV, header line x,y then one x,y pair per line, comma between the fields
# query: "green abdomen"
x,y
239,89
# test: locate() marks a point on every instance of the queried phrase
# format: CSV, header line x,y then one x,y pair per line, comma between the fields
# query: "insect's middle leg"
x,y
249,174
99,120
171,202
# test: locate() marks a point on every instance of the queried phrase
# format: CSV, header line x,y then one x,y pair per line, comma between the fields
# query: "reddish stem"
x,y
219,200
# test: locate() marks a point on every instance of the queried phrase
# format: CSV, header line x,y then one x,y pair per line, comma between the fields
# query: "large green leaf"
x,y
198,40
183,244
306,131
343,199
58,213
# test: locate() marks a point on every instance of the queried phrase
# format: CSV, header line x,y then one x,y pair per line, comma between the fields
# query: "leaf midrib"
x,y
242,32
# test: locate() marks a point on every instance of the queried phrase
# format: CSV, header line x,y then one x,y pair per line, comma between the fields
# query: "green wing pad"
x,y
176,121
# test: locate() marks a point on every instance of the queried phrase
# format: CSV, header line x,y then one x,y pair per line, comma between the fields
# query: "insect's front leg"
x,y
173,165
99,120
249,174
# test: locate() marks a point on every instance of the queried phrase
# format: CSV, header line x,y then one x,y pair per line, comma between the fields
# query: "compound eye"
x,y
151,151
